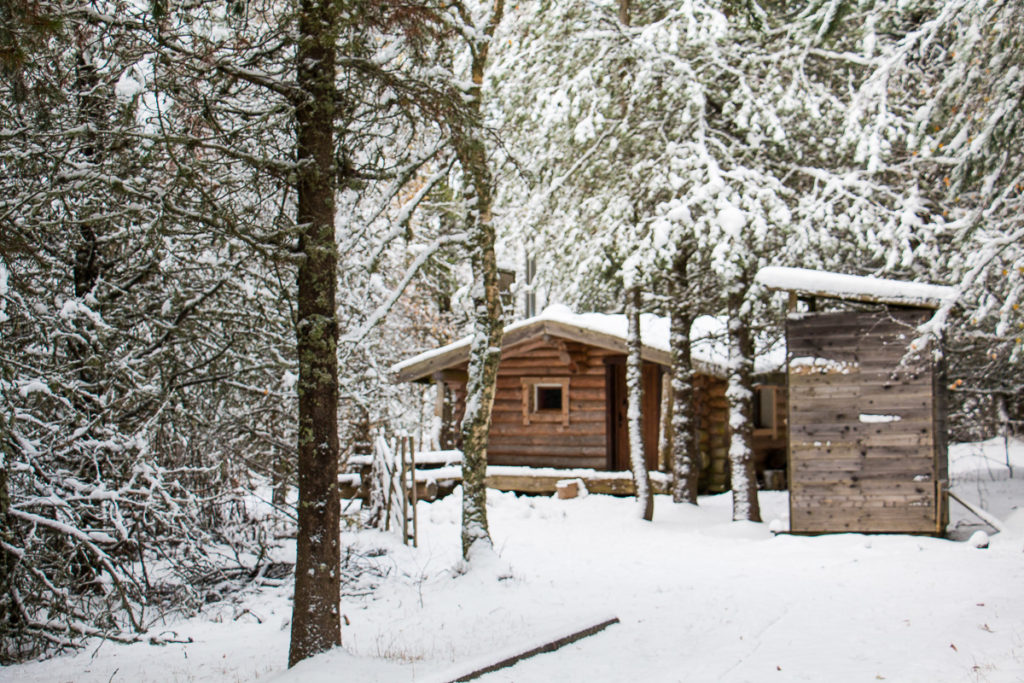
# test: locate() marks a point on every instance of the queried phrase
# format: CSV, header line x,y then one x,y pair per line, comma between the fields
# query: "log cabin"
x,y
561,397
867,422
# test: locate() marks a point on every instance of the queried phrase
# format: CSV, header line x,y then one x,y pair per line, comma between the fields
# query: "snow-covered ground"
x,y
699,598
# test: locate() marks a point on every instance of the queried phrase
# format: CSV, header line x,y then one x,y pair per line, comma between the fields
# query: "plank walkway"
x,y
437,482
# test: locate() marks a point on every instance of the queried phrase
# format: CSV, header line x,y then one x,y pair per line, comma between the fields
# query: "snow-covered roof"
x,y
597,329
855,287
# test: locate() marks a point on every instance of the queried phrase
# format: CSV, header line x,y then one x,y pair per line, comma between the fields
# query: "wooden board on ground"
x,y
511,656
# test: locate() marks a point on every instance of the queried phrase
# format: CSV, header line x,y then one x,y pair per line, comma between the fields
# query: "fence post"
x,y
414,493
403,443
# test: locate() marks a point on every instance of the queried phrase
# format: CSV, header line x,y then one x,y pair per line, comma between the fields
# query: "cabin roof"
x,y
856,288
596,329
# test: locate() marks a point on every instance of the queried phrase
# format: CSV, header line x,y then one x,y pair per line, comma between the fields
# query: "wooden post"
x,y
415,524
387,486
403,441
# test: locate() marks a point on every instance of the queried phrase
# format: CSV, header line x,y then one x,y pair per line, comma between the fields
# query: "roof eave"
x,y
458,354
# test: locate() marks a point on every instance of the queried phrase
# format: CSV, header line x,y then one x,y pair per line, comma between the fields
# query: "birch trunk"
x,y
685,464
485,350
740,394
634,391
315,623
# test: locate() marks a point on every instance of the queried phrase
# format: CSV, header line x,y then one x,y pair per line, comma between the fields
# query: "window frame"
x,y
529,398
773,427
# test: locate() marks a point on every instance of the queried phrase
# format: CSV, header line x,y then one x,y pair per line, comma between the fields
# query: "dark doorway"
x,y
618,406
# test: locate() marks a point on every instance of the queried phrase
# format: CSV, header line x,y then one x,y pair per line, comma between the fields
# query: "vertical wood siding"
x,y
863,453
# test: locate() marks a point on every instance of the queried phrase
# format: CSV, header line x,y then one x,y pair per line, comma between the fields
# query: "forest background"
x,y
222,221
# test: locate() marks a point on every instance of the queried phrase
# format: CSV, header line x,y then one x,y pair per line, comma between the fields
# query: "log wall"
x,y
584,441
712,409
865,452
581,443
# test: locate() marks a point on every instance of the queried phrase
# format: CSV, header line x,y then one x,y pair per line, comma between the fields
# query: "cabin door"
x,y
618,406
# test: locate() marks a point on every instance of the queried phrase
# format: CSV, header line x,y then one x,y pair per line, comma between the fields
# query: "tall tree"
x,y
228,135
477,23
684,457
635,394
316,625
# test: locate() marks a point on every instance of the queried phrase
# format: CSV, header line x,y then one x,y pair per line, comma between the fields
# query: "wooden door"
x,y
618,407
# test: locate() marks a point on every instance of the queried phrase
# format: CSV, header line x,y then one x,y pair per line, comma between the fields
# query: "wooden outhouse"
x,y
867,431
561,395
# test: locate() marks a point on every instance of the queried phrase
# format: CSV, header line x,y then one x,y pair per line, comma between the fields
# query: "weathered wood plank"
x,y
546,430
517,459
568,439
507,414
507,660
553,450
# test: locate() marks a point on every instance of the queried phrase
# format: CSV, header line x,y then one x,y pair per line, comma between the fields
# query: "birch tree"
x,y
477,24
635,394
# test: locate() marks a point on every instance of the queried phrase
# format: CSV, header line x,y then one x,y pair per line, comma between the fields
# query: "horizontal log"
x,y
520,460
506,413
541,364
549,450
568,439
596,395
514,382
548,430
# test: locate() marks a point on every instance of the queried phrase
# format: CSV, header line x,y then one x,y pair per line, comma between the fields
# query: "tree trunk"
x,y
485,354
685,465
7,560
485,350
741,394
624,13
315,623
634,391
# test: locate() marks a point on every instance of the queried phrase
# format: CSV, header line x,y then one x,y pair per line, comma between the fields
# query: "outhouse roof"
x,y
821,283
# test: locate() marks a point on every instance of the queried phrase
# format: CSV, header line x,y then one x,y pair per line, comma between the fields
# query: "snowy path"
x,y
699,598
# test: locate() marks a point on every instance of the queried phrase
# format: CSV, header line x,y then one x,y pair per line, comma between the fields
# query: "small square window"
x,y
545,399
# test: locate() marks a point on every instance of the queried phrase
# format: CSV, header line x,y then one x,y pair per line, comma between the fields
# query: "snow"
x,y
34,387
992,460
822,366
699,598
871,418
856,287
732,220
